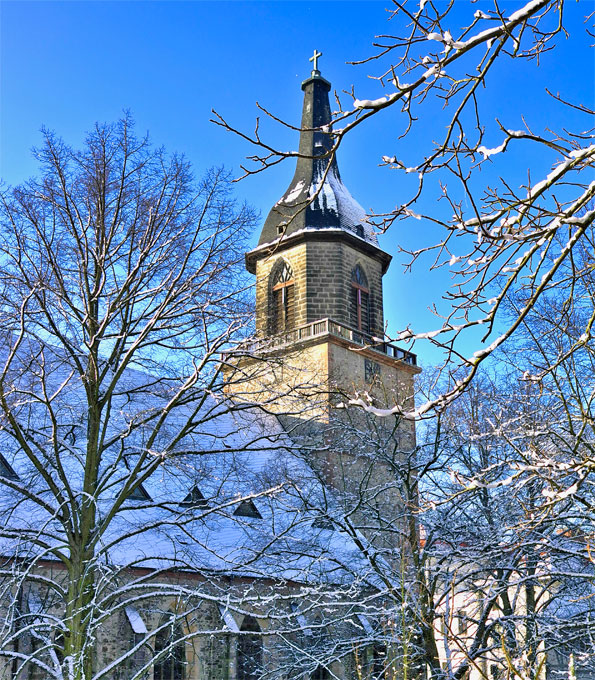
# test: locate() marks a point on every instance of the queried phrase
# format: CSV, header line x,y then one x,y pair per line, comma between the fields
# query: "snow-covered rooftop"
x,y
231,453
316,198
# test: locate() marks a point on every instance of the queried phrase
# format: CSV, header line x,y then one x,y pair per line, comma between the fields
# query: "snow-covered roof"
x,y
316,198
326,203
232,452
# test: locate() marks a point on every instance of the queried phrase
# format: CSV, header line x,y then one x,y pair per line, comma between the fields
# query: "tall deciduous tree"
x,y
120,283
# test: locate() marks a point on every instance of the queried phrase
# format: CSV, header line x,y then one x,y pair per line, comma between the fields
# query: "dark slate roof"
x,y
334,207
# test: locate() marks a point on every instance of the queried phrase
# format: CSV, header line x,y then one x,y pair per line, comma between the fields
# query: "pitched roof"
x,y
316,198
233,452
237,456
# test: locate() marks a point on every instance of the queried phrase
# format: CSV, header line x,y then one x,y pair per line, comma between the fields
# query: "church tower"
x,y
319,304
317,235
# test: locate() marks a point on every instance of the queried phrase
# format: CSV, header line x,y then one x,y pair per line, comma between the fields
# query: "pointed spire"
x,y
332,206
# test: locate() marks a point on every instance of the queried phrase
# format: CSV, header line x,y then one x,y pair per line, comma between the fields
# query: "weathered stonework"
x,y
210,650
322,266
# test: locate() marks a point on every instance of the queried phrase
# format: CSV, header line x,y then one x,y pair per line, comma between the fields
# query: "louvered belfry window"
x,y
360,300
282,299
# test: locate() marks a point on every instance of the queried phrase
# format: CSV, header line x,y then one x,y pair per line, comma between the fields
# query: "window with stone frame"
x,y
282,299
321,673
169,642
359,301
134,631
249,656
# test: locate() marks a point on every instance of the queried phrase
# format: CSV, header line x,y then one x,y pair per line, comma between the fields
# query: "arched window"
x,y
282,316
249,650
134,631
380,661
359,308
321,673
172,665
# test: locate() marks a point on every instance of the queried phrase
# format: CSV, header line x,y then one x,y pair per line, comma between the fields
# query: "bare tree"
x,y
482,566
120,284
496,240
151,515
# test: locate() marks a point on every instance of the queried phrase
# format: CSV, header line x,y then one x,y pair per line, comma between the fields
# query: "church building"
x,y
319,303
265,548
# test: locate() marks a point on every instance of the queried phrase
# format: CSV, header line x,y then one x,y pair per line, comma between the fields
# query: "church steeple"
x,y
316,197
318,257
320,322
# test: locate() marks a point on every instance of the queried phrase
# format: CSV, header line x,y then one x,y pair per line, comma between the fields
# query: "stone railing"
x,y
329,327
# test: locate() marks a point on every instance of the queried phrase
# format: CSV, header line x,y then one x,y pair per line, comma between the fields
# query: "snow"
x,y
233,453
399,85
228,619
576,155
560,495
334,196
370,103
529,7
586,217
491,152
489,34
327,193
432,71
367,626
294,194
136,623
410,213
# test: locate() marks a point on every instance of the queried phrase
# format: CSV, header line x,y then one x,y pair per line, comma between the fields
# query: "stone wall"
x,y
330,265
322,279
210,650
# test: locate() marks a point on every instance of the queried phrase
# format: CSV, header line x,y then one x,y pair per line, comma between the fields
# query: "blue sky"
x,y
66,65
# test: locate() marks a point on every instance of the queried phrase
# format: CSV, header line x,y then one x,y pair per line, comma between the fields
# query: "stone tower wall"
x,y
330,265
322,283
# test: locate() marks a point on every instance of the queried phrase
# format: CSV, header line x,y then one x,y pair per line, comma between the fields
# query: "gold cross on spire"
x,y
314,59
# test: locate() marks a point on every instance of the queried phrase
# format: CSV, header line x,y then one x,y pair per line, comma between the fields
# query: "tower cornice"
x,y
328,234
